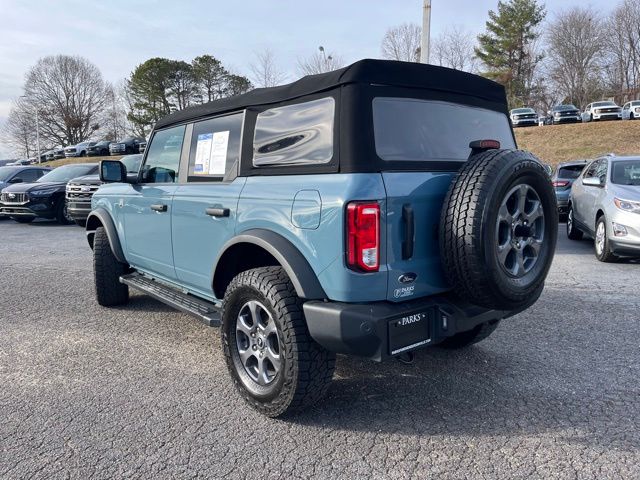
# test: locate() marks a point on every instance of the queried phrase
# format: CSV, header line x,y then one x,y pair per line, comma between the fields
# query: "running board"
x,y
208,312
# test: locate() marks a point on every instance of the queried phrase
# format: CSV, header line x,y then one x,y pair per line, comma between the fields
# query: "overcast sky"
x,y
118,35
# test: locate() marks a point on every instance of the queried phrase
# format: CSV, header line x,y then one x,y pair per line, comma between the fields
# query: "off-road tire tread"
x,y
309,365
107,271
461,250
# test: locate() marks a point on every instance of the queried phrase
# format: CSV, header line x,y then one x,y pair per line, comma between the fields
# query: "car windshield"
x,y
561,108
626,172
570,171
604,104
522,110
635,103
132,163
66,173
6,172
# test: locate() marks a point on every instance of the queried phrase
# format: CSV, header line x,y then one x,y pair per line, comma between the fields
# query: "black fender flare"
x,y
302,276
102,217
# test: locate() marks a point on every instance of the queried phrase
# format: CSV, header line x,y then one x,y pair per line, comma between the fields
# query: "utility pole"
x,y
426,31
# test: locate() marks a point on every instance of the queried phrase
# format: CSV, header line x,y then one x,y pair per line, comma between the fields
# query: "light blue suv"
x,y
369,211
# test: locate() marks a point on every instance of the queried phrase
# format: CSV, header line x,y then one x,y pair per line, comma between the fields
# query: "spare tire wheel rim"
x,y
600,238
519,230
257,343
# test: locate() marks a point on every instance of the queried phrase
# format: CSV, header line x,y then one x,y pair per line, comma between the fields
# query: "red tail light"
x,y
560,183
363,236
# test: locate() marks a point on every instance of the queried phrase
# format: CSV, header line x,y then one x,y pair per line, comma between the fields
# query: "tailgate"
x,y
414,198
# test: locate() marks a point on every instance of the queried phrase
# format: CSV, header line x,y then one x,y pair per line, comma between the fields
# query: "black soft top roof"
x,y
376,72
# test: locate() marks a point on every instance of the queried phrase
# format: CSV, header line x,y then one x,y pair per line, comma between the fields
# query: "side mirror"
x,y
592,182
16,180
113,171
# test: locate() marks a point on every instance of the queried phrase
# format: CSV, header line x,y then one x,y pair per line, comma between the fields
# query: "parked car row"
x,y
567,113
601,199
63,194
126,146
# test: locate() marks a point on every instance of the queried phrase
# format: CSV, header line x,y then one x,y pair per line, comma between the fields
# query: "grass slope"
x,y
558,143
67,161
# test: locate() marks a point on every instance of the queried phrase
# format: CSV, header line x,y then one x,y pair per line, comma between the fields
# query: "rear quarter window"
x,y
299,134
572,171
407,129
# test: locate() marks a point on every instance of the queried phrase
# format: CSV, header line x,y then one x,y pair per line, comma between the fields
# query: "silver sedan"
x,y
605,204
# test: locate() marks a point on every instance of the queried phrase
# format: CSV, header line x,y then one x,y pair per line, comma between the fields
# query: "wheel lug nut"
x,y
255,347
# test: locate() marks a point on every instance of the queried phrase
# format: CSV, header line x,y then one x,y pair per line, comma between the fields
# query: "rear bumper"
x,y
383,329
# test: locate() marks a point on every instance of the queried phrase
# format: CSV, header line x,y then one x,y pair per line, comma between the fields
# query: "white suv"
x,y
631,110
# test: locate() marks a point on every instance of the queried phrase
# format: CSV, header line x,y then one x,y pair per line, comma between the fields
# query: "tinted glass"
x,y
163,156
570,171
417,130
67,172
30,175
215,146
601,171
6,172
561,108
625,172
604,104
300,134
522,110
132,163
591,169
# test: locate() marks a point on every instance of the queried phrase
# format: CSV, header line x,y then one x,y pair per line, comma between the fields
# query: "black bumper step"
x,y
208,312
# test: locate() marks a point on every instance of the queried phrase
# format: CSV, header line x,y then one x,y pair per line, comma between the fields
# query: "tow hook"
x,y
407,358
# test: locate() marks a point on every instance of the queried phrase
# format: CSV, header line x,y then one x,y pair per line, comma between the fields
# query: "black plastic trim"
x,y
107,222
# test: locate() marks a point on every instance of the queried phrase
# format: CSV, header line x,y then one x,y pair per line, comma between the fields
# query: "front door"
x,y
204,209
147,208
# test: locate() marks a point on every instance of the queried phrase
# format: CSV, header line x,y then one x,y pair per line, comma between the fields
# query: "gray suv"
x,y
605,204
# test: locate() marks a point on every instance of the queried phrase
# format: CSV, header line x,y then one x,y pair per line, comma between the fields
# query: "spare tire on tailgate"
x,y
498,227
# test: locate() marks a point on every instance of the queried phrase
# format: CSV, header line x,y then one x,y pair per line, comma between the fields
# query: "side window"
x,y
590,171
215,147
163,158
601,171
300,134
30,175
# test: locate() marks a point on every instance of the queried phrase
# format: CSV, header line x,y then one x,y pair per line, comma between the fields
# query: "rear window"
x,y
572,171
410,129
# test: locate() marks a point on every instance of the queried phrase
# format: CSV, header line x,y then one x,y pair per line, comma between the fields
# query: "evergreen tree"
x,y
507,48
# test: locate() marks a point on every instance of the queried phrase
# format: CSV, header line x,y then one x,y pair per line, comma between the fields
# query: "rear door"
x,y
204,209
434,136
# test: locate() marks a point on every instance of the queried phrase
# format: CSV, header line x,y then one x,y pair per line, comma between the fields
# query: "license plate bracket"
x,y
409,331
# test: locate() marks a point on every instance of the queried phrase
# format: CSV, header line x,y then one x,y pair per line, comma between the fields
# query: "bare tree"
x,y
319,62
265,70
19,131
576,48
454,48
115,123
623,44
70,94
402,42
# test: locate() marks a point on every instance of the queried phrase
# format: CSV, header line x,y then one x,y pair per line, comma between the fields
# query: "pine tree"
x,y
506,48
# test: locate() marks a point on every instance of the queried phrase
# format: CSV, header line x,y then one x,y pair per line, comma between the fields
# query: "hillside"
x,y
559,143
66,161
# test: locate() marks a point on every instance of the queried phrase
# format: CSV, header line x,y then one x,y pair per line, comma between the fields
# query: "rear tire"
x,y
107,271
499,227
23,219
274,363
468,338
572,231
601,242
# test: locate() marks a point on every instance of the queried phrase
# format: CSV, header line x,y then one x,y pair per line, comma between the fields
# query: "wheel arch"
x,y
101,218
258,248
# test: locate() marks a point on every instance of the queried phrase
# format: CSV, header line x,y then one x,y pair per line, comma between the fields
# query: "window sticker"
x,y
211,153
218,159
203,154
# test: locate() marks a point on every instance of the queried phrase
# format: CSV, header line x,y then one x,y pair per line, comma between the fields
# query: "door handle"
x,y
158,208
217,212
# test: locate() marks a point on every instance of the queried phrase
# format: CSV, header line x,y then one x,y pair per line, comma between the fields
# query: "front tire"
x,y
107,271
601,242
274,363
468,338
62,214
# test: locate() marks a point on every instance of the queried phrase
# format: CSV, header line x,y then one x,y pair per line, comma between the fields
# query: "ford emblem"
x,y
408,277
85,188
12,195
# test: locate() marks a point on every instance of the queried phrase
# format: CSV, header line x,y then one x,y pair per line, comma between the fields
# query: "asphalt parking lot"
x,y
142,391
